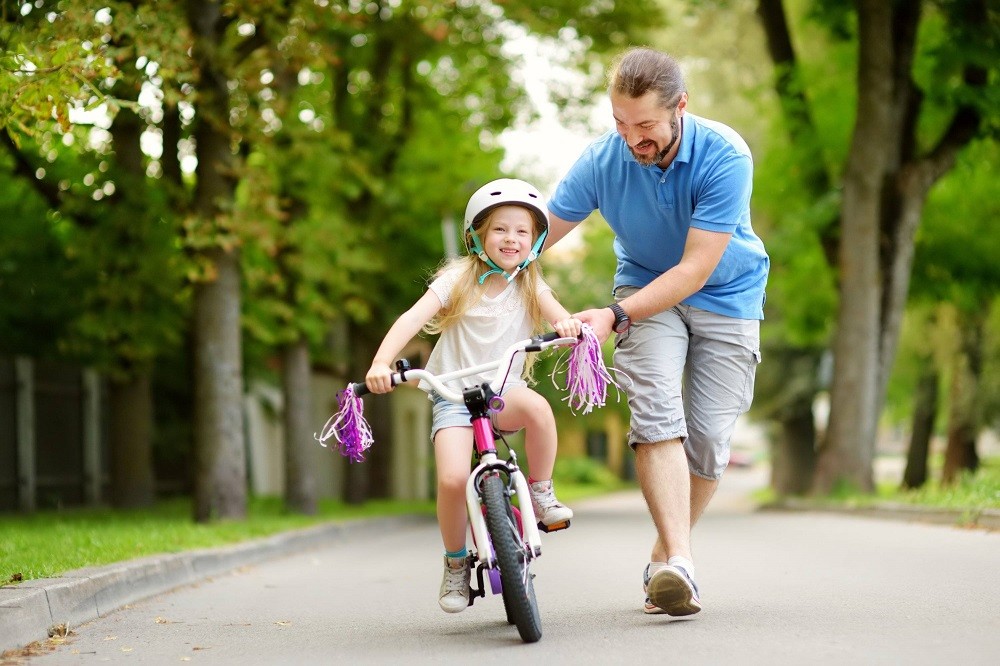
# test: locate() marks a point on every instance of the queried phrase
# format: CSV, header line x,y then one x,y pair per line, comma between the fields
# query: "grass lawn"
x,y
971,493
48,543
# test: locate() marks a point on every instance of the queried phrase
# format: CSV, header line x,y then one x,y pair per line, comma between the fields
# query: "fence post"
x,y
91,437
24,390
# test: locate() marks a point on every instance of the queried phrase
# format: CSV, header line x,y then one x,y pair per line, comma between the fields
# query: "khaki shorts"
x,y
690,375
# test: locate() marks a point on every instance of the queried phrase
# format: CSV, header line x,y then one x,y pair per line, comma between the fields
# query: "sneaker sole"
x,y
649,609
669,592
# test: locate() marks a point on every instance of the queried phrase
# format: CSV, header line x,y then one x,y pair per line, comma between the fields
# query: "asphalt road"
x,y
778,588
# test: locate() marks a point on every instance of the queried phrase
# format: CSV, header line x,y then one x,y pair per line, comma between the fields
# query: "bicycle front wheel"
x,y
512,559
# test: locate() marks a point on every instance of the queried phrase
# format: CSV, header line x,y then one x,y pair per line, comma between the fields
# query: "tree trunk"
x,y
130,436
221,471
848,452
924,415
963,428
220,454
300,482
794,460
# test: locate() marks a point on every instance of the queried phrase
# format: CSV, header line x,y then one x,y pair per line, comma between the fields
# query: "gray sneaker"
x,y
548,510
671,590
455,586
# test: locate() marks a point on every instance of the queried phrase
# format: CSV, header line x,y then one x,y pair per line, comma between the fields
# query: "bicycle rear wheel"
x,y
518,589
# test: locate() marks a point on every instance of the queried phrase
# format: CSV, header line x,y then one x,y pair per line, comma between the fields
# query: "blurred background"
x,y
210,214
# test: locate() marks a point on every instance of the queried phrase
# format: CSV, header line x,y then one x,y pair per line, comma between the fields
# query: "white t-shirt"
x,y
482,334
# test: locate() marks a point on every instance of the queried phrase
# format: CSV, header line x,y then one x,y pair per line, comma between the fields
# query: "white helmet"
x,y
504,192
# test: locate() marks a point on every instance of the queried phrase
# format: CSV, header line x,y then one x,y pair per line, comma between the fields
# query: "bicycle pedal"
x,y
554,527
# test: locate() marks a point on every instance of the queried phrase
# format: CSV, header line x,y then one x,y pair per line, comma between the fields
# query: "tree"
x,y
955,268
117,236
907,52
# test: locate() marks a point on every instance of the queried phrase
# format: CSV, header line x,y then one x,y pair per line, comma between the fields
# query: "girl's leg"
x,y
453,455
523,408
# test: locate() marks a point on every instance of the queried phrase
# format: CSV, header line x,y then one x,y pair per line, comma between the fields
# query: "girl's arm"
x,y
558,316
378,379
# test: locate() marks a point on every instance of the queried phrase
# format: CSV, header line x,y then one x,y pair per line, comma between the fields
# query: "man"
x,y
689,296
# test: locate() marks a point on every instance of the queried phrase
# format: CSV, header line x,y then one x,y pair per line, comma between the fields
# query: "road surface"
x,y
777,588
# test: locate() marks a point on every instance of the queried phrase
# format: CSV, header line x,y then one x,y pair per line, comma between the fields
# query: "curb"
x,y
985,519
28,610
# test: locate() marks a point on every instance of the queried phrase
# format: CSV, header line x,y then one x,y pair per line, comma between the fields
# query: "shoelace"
x,y
545,499
454,580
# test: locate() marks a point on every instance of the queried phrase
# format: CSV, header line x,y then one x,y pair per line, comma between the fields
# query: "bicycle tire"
x,y
518,588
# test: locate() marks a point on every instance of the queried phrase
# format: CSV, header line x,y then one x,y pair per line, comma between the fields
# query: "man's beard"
x,y
661,154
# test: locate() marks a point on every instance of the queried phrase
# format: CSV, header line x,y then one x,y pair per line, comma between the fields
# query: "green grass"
x,y
971,493
48,543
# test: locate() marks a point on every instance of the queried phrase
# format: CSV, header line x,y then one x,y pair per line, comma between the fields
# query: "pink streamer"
x,y
348,427
587,378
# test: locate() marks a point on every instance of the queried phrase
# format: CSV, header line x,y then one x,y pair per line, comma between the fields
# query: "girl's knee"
x,y
452,484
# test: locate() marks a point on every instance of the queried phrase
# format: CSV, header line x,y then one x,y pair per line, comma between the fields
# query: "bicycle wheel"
x,y
518,589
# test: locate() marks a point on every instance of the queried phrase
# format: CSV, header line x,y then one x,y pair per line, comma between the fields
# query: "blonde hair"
x,y
467,292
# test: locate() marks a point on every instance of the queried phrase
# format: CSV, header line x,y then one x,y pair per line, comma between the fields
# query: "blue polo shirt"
x,y
707,186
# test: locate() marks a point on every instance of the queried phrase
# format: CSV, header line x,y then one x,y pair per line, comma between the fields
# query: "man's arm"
x,y
558,228
702,252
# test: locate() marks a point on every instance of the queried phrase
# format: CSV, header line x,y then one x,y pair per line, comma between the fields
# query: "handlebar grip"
x,y
360,389
546,337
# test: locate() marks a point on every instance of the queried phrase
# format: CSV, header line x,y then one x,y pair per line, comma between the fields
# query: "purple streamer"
x,y
587,378
348,427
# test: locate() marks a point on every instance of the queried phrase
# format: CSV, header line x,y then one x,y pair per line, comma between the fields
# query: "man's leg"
x,y
702,491
666,484
663,475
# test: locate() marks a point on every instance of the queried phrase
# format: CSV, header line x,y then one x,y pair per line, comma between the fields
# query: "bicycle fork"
x,y
529,525
483,549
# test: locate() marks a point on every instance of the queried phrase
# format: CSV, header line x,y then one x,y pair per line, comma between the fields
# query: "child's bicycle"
x,y
504,532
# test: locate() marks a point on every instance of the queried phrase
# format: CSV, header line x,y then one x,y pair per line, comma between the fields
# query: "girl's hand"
x,y
379,378
568,328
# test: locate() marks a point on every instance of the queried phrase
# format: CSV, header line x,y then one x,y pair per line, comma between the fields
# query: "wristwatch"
x,y
622,321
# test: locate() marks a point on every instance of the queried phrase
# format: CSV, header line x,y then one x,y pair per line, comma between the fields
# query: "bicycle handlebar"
x,y
533,344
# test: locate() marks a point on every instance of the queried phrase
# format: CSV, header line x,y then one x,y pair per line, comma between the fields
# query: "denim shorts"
x,y
447,414
690,374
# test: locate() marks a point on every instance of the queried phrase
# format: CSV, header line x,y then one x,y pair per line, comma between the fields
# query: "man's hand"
x,y
600,319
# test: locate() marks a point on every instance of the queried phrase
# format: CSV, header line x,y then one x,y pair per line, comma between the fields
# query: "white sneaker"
x,y
455,586
547,508
669,589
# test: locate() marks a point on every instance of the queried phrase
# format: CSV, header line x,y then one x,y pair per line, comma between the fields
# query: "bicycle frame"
x,y
478,400
486,454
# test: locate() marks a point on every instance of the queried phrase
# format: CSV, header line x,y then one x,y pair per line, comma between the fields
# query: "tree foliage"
x,y
184,156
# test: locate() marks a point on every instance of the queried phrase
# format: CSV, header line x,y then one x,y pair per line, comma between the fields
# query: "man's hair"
x,y
640,70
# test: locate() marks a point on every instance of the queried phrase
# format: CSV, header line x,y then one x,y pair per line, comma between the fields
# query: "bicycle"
x,y
505,534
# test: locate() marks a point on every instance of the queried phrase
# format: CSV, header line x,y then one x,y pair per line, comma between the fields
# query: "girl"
x,y
481,304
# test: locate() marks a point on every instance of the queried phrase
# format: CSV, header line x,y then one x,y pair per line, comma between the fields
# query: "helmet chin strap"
x,y
478,249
